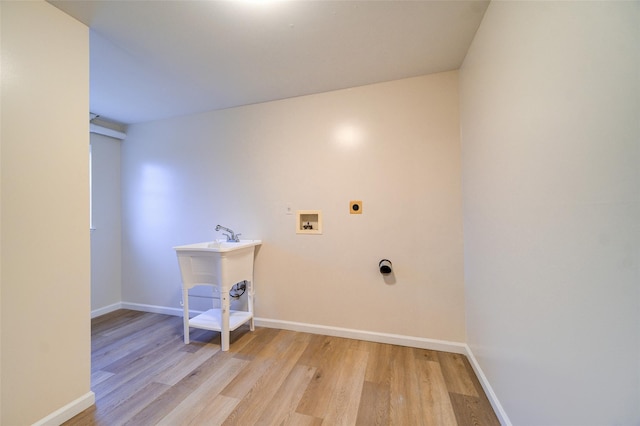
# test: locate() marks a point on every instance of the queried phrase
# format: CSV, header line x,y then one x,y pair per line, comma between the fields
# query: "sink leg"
x,y
185,314
224,309
250,303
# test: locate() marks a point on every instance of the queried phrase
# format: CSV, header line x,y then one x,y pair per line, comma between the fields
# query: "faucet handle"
x,y
238,238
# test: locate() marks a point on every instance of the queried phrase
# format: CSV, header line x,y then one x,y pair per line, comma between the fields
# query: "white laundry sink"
x,y
221,264
221,245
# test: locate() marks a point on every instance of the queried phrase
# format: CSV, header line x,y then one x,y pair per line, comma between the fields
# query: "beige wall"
x,y
550,106
395,146
45,227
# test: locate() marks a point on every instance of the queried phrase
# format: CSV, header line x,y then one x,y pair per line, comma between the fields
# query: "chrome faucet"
x,y
232,237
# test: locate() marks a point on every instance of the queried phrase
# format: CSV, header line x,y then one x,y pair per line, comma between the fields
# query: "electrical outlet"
x,y
355,207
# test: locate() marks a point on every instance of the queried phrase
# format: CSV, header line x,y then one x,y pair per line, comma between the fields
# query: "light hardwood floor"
x,y
143,374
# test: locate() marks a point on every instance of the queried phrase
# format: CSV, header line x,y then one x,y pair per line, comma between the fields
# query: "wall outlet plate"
x,y
355,207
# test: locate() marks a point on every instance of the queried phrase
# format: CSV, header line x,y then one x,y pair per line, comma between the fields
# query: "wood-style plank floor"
x,y
143,374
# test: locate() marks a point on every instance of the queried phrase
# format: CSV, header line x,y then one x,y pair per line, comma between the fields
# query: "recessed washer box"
x,y
308,222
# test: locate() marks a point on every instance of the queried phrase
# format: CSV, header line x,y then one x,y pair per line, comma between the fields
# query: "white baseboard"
x,y
68,411
371,336
394,339
106,309
493,399
176,312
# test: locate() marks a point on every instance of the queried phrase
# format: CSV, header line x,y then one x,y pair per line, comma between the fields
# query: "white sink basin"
x,y
218,246
221,264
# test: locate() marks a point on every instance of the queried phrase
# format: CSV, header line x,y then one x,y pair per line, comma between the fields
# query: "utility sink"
x,y
219,246
220,264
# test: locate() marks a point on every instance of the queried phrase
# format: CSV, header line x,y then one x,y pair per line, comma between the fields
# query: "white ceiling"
x,y
152,60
